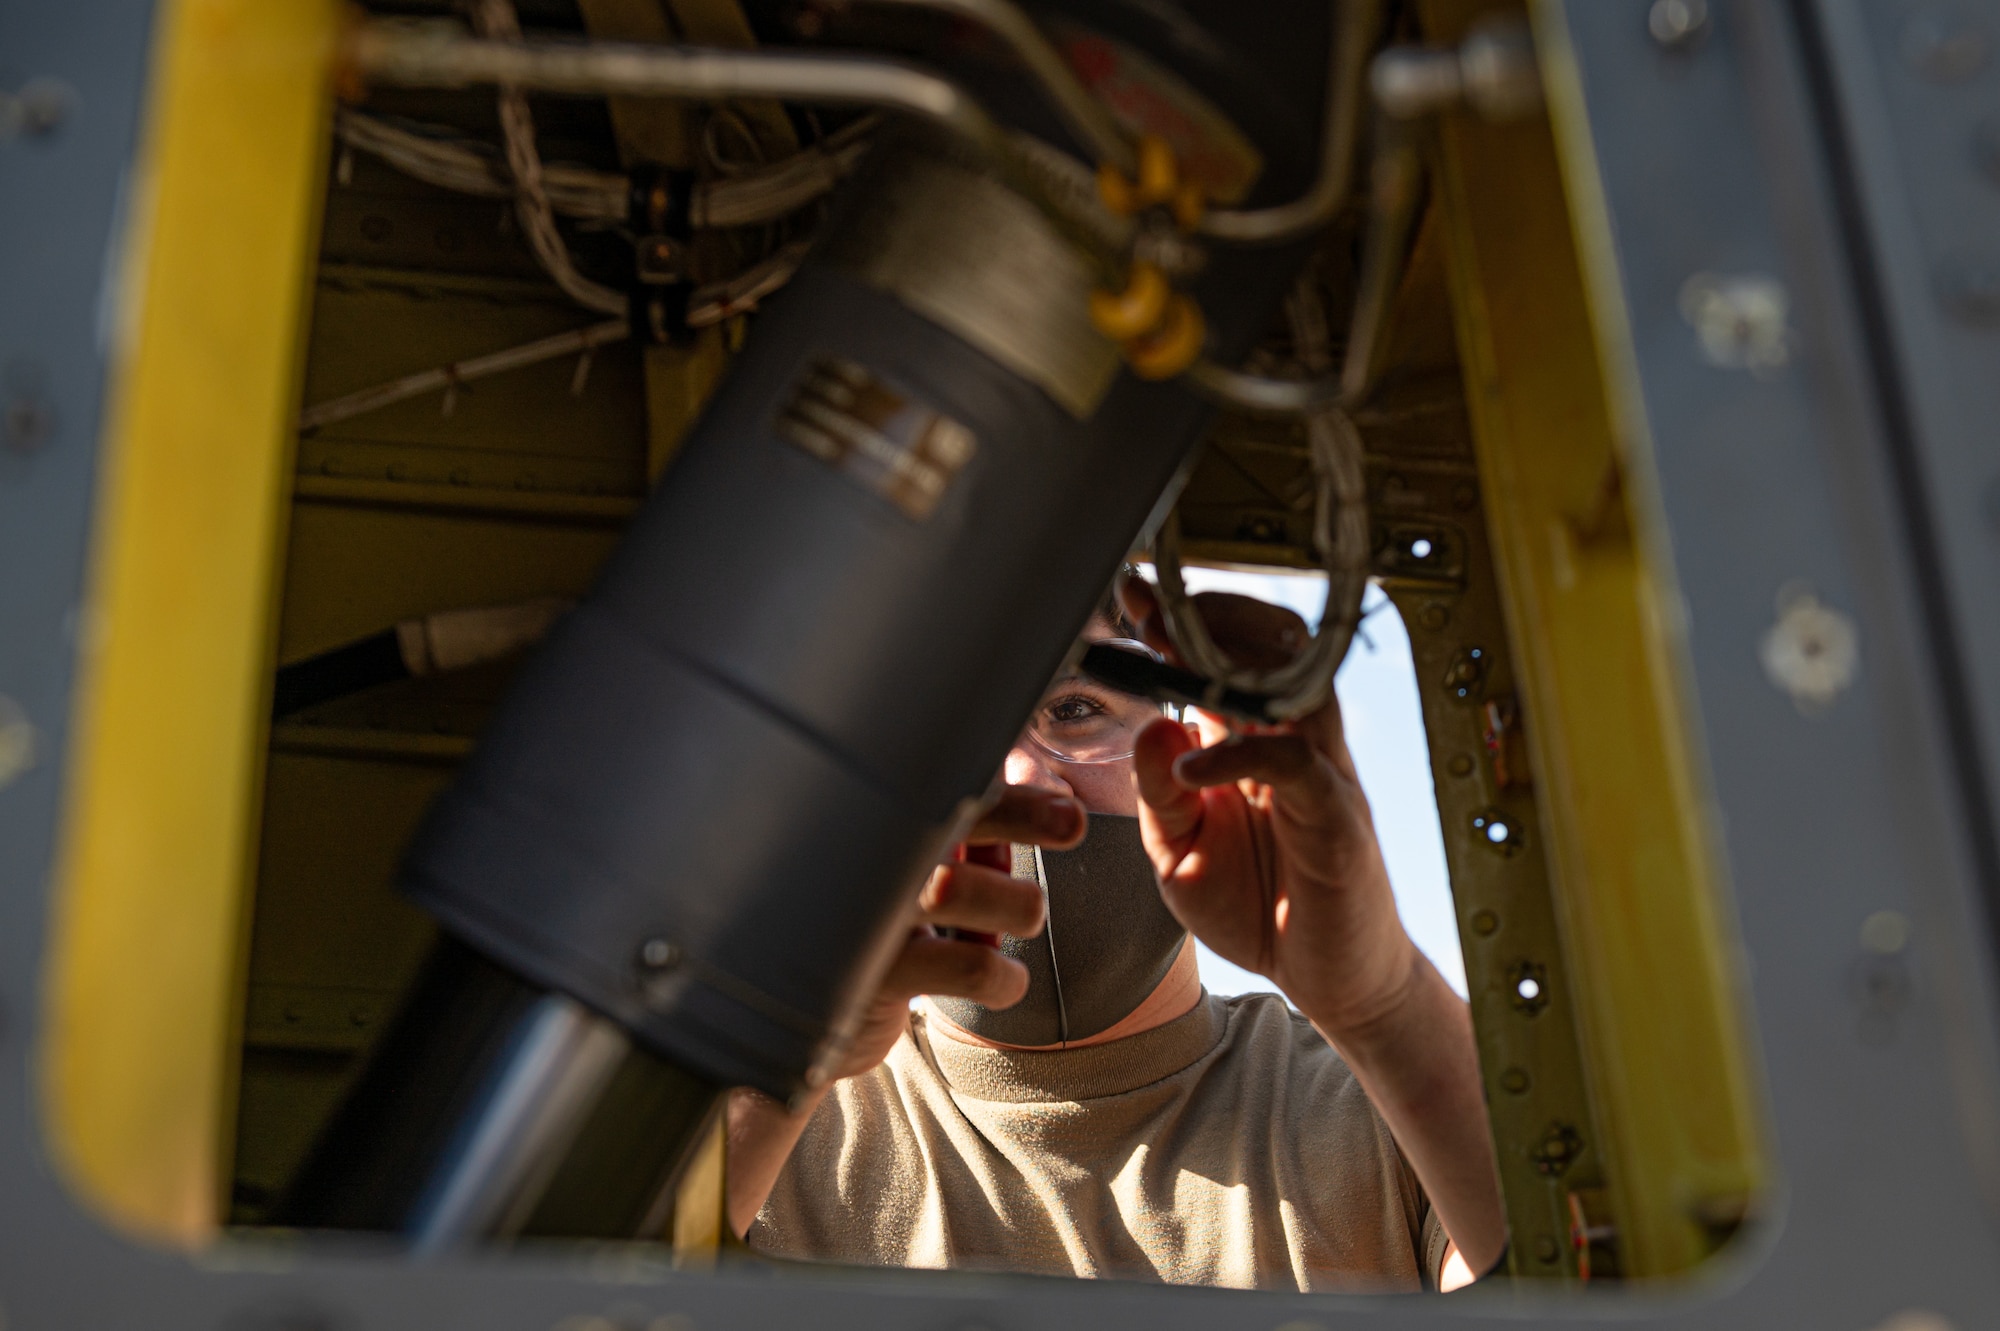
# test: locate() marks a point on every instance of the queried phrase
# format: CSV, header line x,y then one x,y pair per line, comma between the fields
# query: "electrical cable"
x,y
466,166
579,342
497,19
1340,537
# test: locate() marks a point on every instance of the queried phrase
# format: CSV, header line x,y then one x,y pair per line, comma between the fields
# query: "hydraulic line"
x,y
1085,114
1340,132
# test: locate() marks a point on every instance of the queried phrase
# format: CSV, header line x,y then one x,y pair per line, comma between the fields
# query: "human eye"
x,y
1072,708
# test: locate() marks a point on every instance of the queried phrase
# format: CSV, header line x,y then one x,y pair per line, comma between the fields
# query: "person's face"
x,y
1075,705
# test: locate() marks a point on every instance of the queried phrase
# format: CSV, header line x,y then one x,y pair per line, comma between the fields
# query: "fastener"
x,y
1677,24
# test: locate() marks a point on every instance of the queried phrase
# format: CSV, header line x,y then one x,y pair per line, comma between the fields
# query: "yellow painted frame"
x,y
1566,467
138,1052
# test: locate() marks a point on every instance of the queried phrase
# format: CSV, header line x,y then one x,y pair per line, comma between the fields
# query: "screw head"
x,y
1677,24
659,954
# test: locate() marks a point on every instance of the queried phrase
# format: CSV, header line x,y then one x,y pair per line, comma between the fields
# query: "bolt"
x,y
1514,1080
659,954
1460,765
1677,24
1434,617
1485,923
1945,47
1547,1249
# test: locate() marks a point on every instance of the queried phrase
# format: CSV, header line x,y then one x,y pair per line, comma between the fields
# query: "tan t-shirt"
x,y
1229,1147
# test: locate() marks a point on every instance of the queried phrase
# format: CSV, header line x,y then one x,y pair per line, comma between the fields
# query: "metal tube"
x,y
437,56
1396,187
1080,109
491,1108
1340,132
489,1181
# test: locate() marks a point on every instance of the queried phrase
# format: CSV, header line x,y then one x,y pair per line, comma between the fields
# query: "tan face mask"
x,y
1108,944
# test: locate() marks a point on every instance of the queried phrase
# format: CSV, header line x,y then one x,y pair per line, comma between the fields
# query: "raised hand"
x,y
1263,841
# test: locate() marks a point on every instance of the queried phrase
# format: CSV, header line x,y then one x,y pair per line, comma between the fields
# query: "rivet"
x,y
1677,24
1514,1080
1485,923
1547,1249
1945,47
658,954
29,423
37,110
1813,651
1434,617
1885,933
1741,320
17,742
1460,765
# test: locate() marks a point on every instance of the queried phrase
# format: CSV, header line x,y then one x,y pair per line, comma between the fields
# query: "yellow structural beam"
x,y
1636,888
153,889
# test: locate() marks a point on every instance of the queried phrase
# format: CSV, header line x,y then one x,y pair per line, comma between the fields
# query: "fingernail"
x,y
1065,815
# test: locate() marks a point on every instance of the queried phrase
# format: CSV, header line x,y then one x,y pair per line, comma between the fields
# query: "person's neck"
x,y
1174,997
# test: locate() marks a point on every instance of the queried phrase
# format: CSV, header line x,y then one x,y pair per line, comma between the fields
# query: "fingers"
x,y
1168,808
950,968
1033,816
1288,763
1141,605
981,900
1256,634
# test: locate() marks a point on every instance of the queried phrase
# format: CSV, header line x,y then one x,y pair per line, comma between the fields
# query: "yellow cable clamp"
x,y
1158,184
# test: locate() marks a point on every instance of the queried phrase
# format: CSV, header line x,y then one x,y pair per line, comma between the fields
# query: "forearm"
x,y
762,1133
1419,1064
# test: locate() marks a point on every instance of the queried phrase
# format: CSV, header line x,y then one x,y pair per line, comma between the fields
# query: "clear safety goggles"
x,y
1079,720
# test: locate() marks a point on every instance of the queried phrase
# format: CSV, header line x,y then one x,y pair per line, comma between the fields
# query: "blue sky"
x,y
1377,685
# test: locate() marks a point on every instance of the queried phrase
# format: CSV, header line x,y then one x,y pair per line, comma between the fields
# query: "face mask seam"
x,y
1049,932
